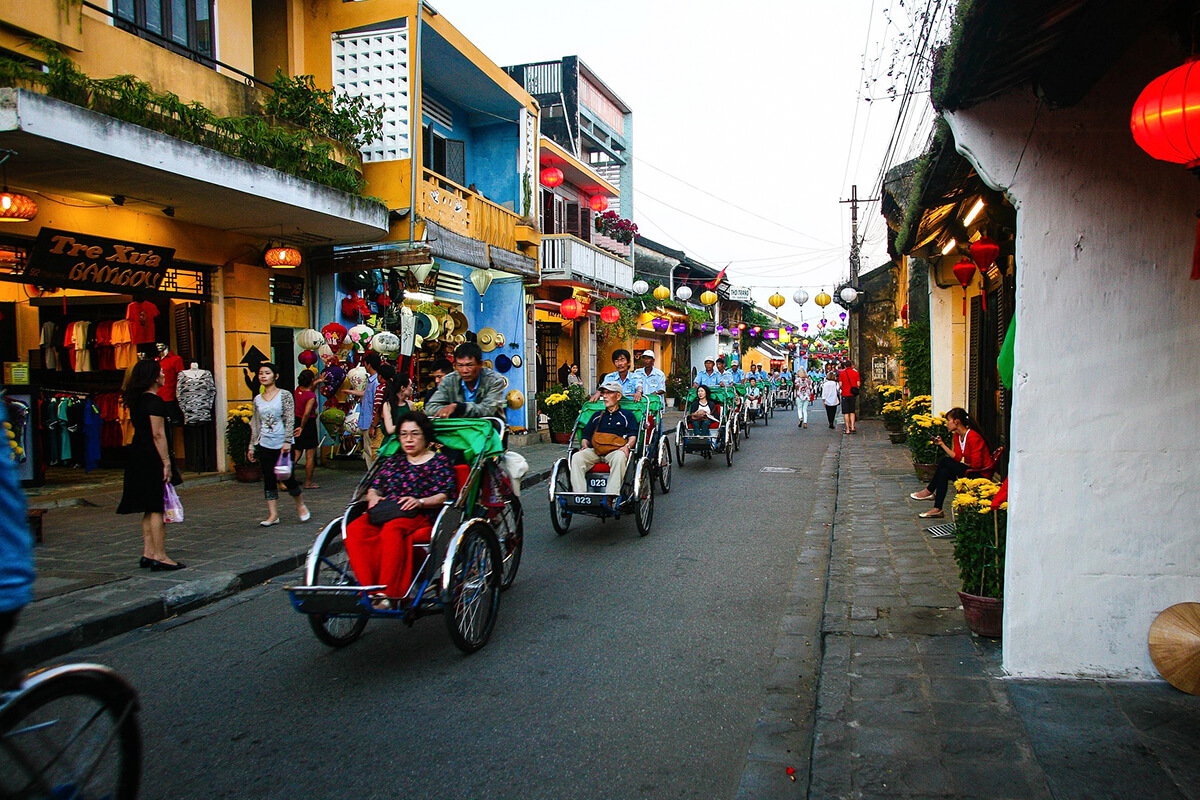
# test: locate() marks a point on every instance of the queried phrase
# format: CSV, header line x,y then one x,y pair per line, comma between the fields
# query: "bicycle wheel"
x,y
474,591
333,569
512,520
664,465
560,518
71,733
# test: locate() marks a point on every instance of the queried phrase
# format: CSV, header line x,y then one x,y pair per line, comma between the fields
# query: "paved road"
x,y
620,667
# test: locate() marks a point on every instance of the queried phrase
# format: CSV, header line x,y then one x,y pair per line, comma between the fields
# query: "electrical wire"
x,y
710,222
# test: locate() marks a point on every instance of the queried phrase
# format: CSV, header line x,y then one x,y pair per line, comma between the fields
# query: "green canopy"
x,y
740,388
471,436
638,407
1005,362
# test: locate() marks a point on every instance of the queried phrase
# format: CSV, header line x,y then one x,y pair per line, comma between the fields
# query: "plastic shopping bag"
x,y
172,508
283,467
516,467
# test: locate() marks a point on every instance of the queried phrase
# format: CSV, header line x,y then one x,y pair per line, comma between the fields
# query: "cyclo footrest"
x,y
332,599
590,502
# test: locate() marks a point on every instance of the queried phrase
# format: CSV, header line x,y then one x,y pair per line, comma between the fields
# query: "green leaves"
x,y
914,355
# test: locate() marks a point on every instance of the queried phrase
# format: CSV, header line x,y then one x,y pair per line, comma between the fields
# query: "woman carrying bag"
x,y
271,436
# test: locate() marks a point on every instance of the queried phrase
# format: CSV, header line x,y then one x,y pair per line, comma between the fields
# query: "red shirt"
x,y
171,365
141,316
975,455
848,378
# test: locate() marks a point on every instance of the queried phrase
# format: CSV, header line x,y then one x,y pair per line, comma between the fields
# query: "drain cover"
x,y
777,469
941,531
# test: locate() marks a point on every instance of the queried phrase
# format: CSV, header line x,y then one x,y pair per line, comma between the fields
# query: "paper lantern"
x,y
357,378
551,177
598,203
776,300
309,339
785,337
16,207
823,299
708,297
640,286
801,297
679,327
421,271
984,252
307,357
481,279
741,326
904,312
842,316
280,257
684,293
359,336
964,270
660,324
804,327
848,295
610,314
385,343
662,293
570,308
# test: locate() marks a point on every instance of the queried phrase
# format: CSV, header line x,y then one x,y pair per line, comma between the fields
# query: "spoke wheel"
x,y
645,507
729,454
680,451
74,735
560,518
664,465
473,596
333,569
512,522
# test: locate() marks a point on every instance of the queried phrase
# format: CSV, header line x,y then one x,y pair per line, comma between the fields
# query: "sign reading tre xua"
x,y
83,261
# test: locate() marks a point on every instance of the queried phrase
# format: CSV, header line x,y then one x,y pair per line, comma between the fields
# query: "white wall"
x,y
1104,525
946,347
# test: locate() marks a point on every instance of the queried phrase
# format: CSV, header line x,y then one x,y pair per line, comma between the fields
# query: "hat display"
x,y
424,325
503,363
460,321
516,361
448,325
1175,646
649,353
488,363
499,340
515,399
612,386
487,339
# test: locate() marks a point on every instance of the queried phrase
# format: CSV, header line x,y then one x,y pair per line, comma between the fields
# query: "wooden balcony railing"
x,y
460,210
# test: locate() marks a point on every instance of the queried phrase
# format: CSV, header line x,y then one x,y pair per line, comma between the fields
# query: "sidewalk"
x,y
910,704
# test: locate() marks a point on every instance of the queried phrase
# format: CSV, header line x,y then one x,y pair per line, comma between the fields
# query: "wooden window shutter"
x,y
573,219
975,345
456,161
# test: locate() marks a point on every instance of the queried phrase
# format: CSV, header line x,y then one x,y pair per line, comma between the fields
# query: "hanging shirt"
x,y
49,346
196,390
124,351
140,315
79,337
171,365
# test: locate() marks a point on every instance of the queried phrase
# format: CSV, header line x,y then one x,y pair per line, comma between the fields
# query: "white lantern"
x,y
359,336
482,279
421,271
640,286
357,378
801,297
385,343
309,339
849,295
684,293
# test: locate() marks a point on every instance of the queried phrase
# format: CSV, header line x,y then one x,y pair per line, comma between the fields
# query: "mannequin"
x,y
171,365
196,391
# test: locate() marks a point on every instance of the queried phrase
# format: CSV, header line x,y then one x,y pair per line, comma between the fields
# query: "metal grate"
x,y
375,65
941,531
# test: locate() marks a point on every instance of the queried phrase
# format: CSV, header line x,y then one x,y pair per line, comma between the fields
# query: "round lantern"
x,y
662,293
357,378
280,257
720,329
551,177
684,293
904,312
309,339
640,286
570,308
848,295
708,297
842,316
822,323
598,203
785,337
307,357
741,326
984,253
385,343
679,327
359,336
661,324
801,297
823,299
776,300
610,314
965,272
16,207
804,327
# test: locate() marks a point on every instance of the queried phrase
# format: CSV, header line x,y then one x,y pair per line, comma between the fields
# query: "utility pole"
x,y
852,330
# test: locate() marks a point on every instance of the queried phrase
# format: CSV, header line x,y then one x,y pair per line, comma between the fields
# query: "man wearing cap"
x,y
472,390
600,441
631,384
708,377
723,378
652,379
738,375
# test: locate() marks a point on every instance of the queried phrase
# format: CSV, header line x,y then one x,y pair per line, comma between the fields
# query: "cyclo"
x,y
757,407
473,553
650,461
721,434
785,395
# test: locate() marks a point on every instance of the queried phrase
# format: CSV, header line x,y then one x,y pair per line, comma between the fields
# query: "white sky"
x,y
753,102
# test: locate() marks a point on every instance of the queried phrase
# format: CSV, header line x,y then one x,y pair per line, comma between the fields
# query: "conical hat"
x,y
1175,646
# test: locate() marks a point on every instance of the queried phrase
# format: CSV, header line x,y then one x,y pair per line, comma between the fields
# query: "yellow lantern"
x,y
785,337
662,293
823,299
776,300
708,298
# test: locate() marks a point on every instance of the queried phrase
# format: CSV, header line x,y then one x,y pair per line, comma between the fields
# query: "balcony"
x,y
566,258
464,212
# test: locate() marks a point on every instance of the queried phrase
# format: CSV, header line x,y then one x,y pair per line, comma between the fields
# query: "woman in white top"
x,y
803,394
831,395
573,378
271,435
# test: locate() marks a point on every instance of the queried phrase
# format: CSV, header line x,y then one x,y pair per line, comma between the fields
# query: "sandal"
x,y
382,603
932,514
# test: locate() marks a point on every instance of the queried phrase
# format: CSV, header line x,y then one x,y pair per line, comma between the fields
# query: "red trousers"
x,y
384,553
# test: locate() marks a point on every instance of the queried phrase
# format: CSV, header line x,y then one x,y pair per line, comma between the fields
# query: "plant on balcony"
x,y
613,226
353,121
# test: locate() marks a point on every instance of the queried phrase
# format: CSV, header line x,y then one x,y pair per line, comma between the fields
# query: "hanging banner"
x,y
83,261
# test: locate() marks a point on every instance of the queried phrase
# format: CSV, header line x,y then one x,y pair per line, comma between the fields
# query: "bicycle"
x,y
70,733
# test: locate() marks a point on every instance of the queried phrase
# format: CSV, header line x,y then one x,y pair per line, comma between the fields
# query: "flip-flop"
x,y
931,515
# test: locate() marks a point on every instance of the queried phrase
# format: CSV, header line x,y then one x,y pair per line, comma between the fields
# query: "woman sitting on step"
x,y
970,452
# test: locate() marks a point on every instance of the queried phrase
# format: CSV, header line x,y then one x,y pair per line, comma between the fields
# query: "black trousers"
x,y
831,412
947,470
267,459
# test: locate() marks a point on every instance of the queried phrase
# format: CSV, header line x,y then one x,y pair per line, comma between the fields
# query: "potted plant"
x,y
921,431
237,441
678,384
562,406
979,539
894,419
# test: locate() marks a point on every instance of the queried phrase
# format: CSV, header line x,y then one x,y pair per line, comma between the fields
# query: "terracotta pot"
x,y
925,471
247,473
894,427
560,438
985,615
898,437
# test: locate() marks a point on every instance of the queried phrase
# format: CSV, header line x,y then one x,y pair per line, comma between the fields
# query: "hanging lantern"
x,y
684,293
720,329
848,295
823,299
640,286
965,272
610,314
804,327
551,177
984,253
708,297
904,313
482,279
785,337
660,324
569,308
679,327
282,257
741,326
822,323
842,316
16,207
776,300
421,271
598,203
662,293
801,297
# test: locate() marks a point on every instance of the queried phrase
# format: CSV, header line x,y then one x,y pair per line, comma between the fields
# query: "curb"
x,y
179,599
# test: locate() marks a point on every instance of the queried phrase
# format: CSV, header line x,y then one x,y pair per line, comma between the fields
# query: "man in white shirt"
x,y
653,379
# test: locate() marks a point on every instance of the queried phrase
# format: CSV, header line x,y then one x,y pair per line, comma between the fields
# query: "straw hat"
x,y
1175,646
488,339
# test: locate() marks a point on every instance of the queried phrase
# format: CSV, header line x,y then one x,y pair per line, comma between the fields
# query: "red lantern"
x,y
965,272
904,313
984,253
551,177
1164,125
570,308
610,314
599,203
282,257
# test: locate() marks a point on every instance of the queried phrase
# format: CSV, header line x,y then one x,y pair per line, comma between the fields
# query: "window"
x,y
186,24
446,157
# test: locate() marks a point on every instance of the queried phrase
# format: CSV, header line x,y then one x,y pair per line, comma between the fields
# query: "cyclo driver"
x,y
473,390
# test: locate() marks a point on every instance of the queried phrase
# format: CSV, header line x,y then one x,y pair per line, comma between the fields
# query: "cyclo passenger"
x,y
754,395
702,411
473,390
609,436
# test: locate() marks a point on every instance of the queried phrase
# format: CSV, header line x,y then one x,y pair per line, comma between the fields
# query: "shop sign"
x,y
287,291
739,294
84,261
16,373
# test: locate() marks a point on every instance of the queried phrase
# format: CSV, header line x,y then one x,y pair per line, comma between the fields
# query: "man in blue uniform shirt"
x,y
708,377
631,384
652,379
738,375
601,441
723,378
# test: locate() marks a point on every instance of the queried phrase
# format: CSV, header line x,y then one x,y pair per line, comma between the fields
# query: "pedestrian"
x,y
307,439
367,421
272,434
831,396
148,464
970,452
573,378
16,553
803,394
850,383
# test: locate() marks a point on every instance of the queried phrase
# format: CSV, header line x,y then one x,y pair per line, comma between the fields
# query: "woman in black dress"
x,y
149,466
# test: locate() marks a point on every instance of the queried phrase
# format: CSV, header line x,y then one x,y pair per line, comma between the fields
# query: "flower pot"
x,y
925,471
896,426
560,438
247,473
985,615
898,437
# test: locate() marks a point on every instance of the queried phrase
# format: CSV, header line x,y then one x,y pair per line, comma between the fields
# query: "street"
x,y
619,666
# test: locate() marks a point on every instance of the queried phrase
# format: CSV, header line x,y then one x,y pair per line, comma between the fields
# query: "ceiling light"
x,y
974,212
950,245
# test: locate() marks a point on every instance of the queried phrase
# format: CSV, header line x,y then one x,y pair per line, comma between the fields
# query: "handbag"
x,y
172,507
605,443
387,510
283,467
